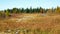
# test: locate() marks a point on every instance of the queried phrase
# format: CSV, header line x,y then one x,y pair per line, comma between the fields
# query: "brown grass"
x,y
46,23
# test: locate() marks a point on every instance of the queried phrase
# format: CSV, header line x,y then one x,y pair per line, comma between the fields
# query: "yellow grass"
x,y
45,23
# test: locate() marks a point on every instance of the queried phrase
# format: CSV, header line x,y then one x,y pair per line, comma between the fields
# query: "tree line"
x,y
7,12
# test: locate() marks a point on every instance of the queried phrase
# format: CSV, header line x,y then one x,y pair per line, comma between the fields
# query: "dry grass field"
x,y
31,24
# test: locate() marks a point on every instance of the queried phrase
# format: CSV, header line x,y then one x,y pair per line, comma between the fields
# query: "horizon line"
x,y
30,7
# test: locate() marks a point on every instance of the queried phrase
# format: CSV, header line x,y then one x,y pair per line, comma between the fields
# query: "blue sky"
x,y
5,4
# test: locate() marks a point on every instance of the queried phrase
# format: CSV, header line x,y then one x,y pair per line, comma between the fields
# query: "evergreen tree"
x,y
14,10
7,13
30,11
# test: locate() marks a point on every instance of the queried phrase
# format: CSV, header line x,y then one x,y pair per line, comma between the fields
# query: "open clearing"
x,y
44,22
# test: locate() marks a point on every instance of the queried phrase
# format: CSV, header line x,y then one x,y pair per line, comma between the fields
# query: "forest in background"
x,y
8,12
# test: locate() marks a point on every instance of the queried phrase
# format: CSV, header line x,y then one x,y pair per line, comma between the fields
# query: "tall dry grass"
x,y
37,24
